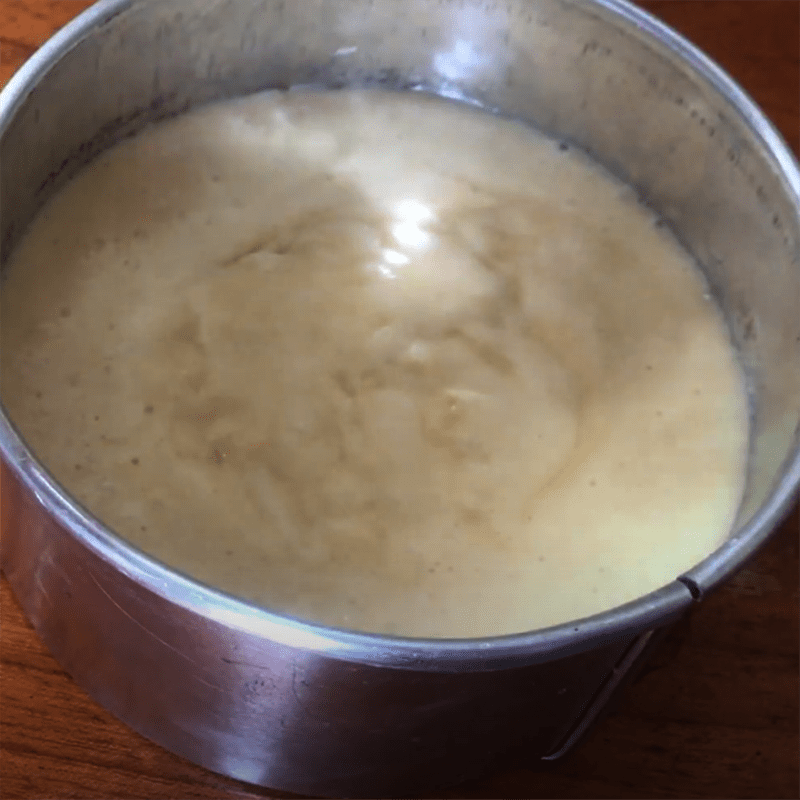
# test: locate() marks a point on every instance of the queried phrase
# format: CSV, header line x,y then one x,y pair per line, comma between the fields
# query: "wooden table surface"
x,y
716,716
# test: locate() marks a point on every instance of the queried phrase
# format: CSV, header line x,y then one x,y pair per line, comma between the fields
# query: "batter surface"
x,y
377,360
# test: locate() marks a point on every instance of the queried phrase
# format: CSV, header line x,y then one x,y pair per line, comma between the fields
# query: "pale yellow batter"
x,y
377,360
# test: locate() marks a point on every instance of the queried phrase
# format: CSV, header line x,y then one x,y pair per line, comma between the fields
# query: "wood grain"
x,y
716,715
